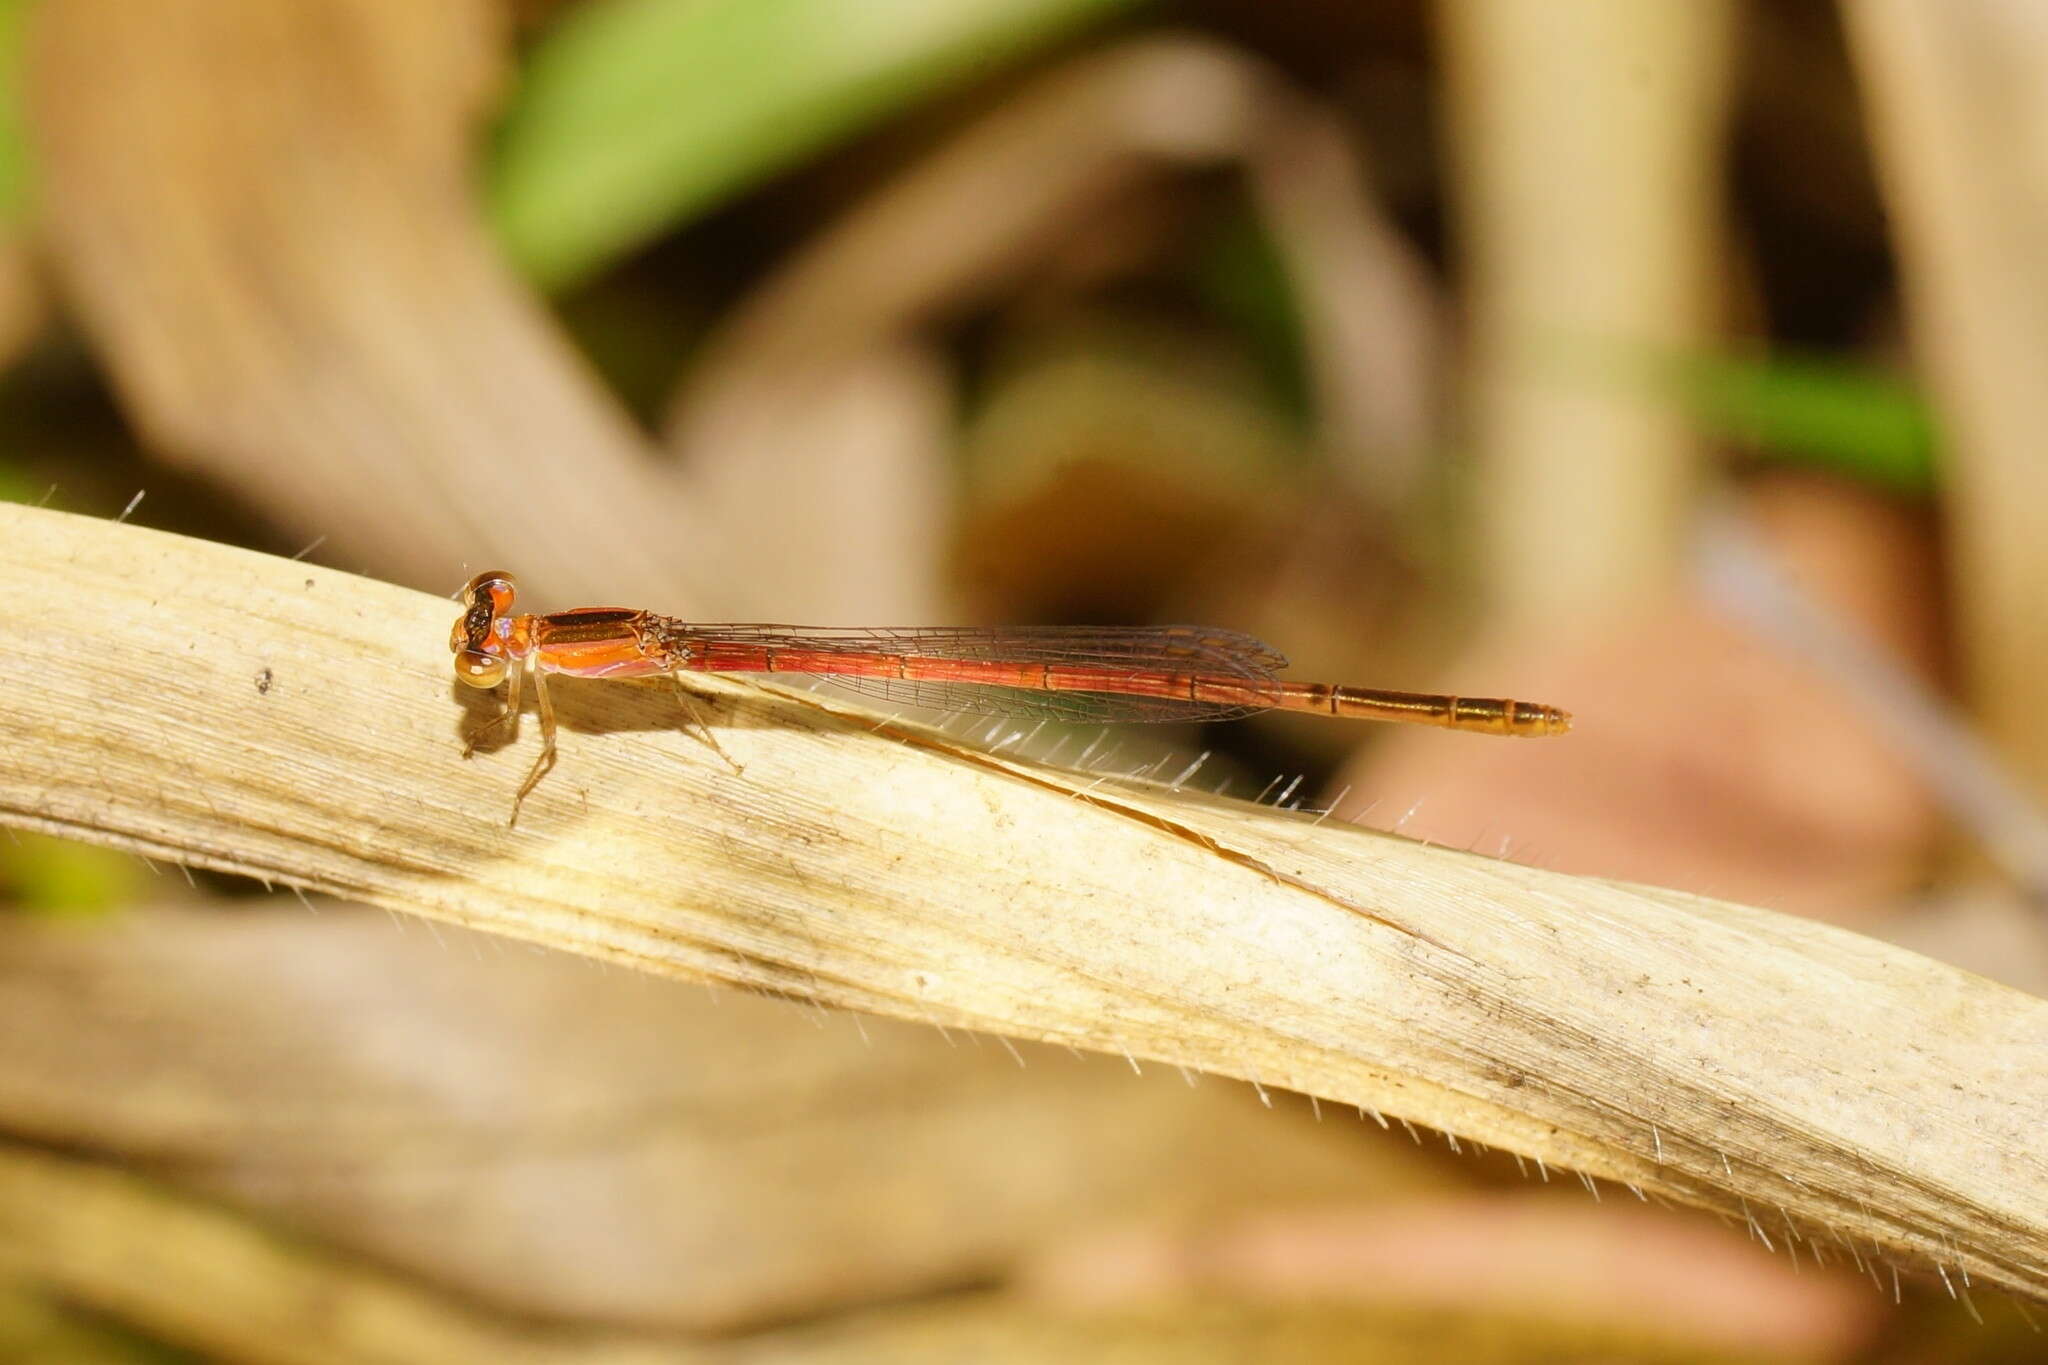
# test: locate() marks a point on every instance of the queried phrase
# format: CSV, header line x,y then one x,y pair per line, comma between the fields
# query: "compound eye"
x,y
479,669
494,586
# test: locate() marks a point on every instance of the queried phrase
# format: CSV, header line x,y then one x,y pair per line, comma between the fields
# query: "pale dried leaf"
x,y
545,1135
964,218
264,217
1720,1055
815,416
841,473
197,1276
1368,313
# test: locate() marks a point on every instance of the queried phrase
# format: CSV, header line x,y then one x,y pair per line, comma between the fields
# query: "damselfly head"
x,y
479,649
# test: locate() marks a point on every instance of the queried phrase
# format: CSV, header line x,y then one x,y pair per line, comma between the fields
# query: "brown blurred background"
x,y
1677,363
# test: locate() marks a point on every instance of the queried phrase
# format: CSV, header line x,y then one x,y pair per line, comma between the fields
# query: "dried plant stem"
x,y
260,716
1947,86
1586,136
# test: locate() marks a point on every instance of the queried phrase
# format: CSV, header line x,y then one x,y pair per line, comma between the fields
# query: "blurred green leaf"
x,y
13,140
1838,416
37,1323
635,114
58,877
1243,279
1848,418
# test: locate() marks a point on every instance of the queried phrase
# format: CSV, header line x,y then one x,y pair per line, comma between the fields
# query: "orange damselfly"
x,y
1072,673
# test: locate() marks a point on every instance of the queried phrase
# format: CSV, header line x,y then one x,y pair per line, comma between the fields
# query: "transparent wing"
x,y
1197,649
1221,654
1081,708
